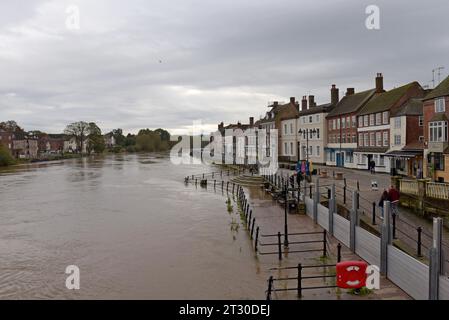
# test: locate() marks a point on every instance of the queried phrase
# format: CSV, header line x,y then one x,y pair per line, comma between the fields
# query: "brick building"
x,y
436,117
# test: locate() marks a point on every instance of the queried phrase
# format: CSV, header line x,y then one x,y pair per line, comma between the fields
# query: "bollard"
x,y
257,239
299,280
419,243
250,217
252,228
324,244
339,252
374,214
233,185
279,246
328,193
358,185
394,225
344,195
227,186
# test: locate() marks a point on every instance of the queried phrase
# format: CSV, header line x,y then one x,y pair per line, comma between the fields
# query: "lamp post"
x,y
307,132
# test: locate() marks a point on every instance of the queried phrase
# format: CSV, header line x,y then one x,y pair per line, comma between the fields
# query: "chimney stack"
x,y
275,103
251,121
311,101
379,83
304,103
292,100
350,91
335,97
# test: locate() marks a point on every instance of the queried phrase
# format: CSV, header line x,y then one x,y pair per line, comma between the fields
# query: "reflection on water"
x,y
130,224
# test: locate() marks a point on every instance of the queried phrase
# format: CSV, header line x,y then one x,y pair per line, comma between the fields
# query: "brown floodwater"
x,y
131,225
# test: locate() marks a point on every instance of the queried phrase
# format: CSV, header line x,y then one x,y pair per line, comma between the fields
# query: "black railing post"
x,y
233,186
252,228
215,182
328,194
324,244
419,243
279,246
299,280
227,186
374,214
344,195
250,217
310,191
339,252
358,185
257,239
270,286
394,225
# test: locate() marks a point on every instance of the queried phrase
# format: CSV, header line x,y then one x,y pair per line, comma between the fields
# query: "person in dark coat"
x,y
383,197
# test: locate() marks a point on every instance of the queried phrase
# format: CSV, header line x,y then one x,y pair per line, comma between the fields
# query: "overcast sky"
x,y
140,63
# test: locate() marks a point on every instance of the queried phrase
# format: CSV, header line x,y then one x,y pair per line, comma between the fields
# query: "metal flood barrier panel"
x,y
309,206
444,288
323,216
409,274
341,229
367,246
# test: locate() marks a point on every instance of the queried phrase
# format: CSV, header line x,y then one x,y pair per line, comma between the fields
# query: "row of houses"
x,y
23,145
400,131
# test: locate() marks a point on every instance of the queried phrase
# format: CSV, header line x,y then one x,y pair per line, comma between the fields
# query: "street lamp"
x,y
307,132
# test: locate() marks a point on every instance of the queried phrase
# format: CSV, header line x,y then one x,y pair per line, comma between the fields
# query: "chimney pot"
x,y
292,100
304,103
311,101
379,83
335,96
251,121
350,91
275,103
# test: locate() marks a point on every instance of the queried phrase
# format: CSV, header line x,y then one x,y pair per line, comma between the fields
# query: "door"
x,y
340,159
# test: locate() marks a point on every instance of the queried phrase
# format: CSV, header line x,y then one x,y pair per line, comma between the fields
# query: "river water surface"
x,y
131,225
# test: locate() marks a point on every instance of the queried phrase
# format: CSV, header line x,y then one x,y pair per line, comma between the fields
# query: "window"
x,y
366,140
285,129
343,138
317,118
310,119
438,131
385,134
421,121
291,128
361,139
338,139
318,151
285,148
354,138
421,138
338,123
317,133
372,139
385,116
371,119
365,121
348,122
397,123
343,123
440,105
378,119
334,124
438,161
397,140
382,161
354,122
291,148
311,150
360,122
379,139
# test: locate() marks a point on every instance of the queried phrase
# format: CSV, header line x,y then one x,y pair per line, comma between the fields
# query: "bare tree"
x,y
79,131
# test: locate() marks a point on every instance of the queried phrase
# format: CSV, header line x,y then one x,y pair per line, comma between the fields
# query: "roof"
x,y
413,107
351,103
318,109
385,101
439,117
441,90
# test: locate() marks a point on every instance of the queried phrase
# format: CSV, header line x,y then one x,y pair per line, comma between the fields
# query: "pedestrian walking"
x,y
393,196
383,197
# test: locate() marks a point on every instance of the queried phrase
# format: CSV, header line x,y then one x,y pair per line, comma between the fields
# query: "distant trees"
x,y
5,157
95,140
79,131
10,126
145,141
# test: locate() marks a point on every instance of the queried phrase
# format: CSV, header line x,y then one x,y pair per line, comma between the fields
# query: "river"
x,y
130,224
